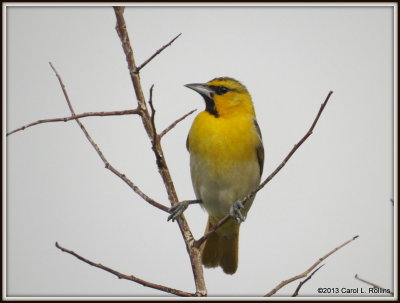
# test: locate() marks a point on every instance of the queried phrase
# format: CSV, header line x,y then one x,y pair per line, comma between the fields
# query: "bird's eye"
x,y
220,90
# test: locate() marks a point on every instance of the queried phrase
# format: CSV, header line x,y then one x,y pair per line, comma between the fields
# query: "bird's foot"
x,y
178,209
235,213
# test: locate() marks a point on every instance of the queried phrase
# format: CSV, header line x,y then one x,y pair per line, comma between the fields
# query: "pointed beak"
x,y
202,89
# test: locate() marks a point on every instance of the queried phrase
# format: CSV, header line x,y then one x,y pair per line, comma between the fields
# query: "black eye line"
x,y
216,88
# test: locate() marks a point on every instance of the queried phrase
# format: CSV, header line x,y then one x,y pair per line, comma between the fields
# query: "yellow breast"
x,y
223,142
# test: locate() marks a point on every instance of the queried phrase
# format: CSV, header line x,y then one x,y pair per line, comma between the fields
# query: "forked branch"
x,y
288,281
304,274
296,292
100,153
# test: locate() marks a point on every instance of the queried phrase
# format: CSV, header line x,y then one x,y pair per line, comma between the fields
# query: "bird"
x,y
226,163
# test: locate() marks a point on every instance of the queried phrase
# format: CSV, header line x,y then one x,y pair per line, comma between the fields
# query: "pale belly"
x,y
219,186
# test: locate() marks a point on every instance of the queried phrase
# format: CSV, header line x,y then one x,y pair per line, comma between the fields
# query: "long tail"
x,y
221,249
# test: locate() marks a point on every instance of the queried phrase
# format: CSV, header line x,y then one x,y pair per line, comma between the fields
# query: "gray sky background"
x,y
337,185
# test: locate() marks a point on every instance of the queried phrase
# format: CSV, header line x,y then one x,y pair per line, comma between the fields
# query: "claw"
x,y
235,213
176,210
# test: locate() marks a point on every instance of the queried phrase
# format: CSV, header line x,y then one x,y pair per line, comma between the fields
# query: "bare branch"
x,y
271,176
127,277
100,153
165,131
295,294
304,274
294,149
135,79
156,53
137,189
367,282
370,283
83,115
65,93
194,253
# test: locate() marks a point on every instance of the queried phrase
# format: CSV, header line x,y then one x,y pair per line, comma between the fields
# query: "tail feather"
x,y
210,254
221,250
229,258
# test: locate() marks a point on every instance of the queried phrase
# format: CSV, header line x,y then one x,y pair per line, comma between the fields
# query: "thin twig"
x,y
270,177
213,228
100,153
155,139
294,149
153,114
64,92
172,125
369,283
296,293
83,115
156,53
127,277
304,274
137,189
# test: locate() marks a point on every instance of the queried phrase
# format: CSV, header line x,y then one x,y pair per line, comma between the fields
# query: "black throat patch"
x,y
210,106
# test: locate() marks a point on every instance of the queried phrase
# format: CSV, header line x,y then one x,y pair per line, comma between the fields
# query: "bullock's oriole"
x,y
226,163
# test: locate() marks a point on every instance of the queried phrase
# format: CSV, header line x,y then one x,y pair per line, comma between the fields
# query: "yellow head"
x,y
225,97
